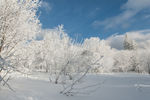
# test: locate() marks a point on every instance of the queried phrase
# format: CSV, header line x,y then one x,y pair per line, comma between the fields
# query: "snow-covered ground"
x,y
100,87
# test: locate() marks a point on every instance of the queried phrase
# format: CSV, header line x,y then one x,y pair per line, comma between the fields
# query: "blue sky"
x,y
90,18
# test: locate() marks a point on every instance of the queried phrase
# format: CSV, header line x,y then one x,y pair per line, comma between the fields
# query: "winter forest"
x,y
57,66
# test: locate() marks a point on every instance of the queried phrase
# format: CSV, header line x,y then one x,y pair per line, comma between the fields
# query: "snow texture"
x,y
109,87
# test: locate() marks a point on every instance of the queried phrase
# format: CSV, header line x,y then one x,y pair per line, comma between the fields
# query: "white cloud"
x,y
147,16
116,41
142,38
94,12
130,9
46,6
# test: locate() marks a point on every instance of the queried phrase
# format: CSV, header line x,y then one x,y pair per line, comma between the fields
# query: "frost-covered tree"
x,y
129,44
99,48
56,50
18,25
121,61
126,61
66,61
144,61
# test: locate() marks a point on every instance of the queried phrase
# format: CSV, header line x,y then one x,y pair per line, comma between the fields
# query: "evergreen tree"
x,y
129,44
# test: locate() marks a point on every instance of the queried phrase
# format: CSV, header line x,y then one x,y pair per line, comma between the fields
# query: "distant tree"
x,y
129,44
148,64
134,63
